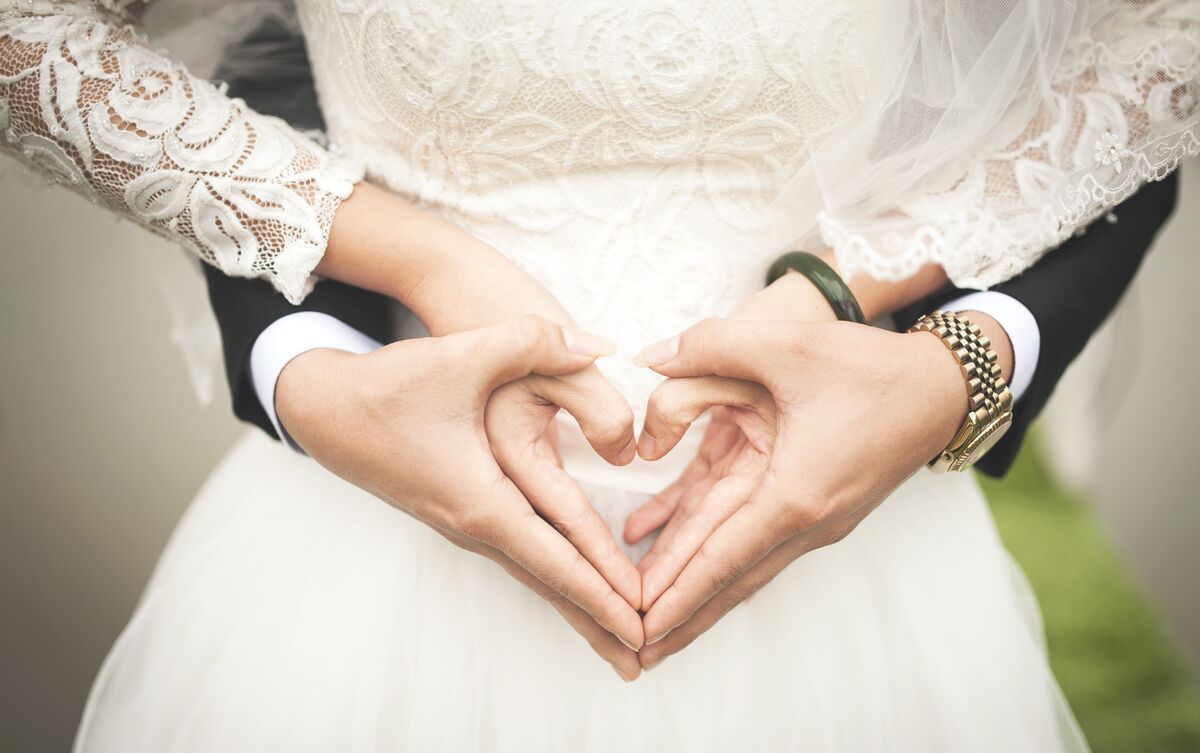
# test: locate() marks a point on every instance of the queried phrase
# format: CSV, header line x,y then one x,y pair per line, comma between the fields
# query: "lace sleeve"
x,y
86,102
1123,109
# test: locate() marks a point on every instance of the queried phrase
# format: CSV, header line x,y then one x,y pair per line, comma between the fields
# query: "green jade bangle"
x,y
822,276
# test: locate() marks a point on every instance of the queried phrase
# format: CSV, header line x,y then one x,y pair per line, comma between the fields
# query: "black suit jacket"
x,y
1070,292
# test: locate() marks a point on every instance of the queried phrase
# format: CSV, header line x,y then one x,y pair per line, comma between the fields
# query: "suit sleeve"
x,y
1070,293
244,308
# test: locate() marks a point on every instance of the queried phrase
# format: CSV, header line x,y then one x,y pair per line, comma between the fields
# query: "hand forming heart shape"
x,y
799,405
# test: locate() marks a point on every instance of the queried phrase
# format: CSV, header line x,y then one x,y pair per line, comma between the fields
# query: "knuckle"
x,y
475,523
672,397
530,333
670,401
736,594
613,426
721,572
837,531
571,521
462,542
802,514
802,342
702,332
453,352
559,580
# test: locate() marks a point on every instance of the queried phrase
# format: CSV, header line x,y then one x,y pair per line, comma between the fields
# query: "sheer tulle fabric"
x,y
294,612
992,130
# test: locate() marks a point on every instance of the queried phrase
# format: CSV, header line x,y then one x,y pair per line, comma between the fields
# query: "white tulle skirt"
x,y
293,612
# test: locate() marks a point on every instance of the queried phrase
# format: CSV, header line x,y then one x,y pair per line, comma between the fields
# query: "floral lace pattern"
x,y
1125,110
633,156
86,102
628,155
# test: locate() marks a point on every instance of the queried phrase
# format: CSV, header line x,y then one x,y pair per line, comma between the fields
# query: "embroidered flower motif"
x,y
123,125
665,76
1110,151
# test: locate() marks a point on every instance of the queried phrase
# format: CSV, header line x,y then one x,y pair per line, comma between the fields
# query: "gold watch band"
x,y
990,400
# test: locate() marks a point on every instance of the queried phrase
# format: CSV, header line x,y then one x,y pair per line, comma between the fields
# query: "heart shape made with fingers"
x,y
523,435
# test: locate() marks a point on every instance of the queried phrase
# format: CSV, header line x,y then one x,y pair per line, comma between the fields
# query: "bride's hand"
x,y
450,279
835,417
411,430
520,429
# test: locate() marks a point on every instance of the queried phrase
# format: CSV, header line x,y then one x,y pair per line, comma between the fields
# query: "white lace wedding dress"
x,y
628,155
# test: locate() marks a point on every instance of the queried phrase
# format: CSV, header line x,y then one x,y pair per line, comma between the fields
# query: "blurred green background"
x,y
1129,685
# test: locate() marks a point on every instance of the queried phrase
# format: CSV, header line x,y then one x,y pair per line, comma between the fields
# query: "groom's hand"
x,y
852,412
407,423
519,422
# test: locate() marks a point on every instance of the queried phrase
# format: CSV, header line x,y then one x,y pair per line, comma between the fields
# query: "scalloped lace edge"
x,y
979,249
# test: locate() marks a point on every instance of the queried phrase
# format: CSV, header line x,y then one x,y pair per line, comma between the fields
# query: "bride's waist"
x,y
539,192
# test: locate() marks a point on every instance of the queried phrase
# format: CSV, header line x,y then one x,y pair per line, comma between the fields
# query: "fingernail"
x,y
655,639
646,445
587,344
660,352
628,645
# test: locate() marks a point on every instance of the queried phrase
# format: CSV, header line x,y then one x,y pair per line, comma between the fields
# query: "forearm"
x,y
879,298
382,243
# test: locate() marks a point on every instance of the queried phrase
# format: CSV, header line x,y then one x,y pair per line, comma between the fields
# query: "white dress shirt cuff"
x,y
1018,323
287,338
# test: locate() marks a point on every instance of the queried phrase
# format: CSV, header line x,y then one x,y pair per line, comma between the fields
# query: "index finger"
x,y
533,544
742,540
718,606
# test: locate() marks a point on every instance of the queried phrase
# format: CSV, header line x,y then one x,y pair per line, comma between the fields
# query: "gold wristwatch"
x,y
991,401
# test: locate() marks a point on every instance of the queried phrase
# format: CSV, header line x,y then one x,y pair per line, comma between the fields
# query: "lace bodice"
x,y
85,102
645,160
625,154
636,156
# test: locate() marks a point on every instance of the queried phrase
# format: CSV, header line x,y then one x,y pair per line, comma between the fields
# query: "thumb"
x,y
507,351
717,347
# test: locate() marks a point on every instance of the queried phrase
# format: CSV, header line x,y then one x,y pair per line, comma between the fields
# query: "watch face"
x,y
991,434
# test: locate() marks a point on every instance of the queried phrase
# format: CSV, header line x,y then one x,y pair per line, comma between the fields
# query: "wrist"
x,y
989,410
941,389
371,244
792,297
308,387
448,278
999,337
879,297
494,290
